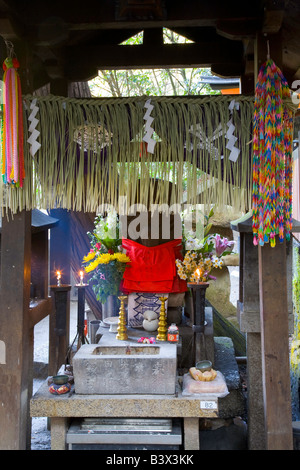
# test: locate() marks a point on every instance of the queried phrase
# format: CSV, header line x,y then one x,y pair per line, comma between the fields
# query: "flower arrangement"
x,y
201,256
105,260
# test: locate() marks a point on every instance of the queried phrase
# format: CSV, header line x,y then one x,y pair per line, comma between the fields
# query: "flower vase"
x,y
110,308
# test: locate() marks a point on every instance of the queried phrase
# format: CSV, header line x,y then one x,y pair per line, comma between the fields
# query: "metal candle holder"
x,y
162,324
122,329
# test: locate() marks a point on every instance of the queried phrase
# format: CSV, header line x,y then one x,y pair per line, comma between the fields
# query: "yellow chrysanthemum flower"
x,y
105,258
91,255
122,257
93,265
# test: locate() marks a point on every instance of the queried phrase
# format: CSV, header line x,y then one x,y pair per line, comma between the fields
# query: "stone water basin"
x,y
114,367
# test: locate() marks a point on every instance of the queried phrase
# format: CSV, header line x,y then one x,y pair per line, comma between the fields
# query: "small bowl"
x,y
204,365
60,379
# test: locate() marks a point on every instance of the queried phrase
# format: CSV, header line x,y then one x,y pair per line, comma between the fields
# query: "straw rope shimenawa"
x,y
91,153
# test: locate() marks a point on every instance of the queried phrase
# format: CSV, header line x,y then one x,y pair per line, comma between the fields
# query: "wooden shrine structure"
x,y
60,46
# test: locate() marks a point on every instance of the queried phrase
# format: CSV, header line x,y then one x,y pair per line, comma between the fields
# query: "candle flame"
x,y
58,273
198,272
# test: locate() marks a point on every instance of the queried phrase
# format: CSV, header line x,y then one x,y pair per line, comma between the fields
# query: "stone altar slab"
x,y
115,367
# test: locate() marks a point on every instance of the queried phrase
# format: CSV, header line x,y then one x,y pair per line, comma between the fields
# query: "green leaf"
x,y
207,229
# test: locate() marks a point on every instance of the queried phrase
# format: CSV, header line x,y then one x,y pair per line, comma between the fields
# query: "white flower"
x,y
193,244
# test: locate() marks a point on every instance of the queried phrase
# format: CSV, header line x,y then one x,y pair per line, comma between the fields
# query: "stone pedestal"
x,y
114,367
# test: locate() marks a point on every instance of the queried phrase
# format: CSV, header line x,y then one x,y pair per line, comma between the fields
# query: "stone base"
x,y
114,367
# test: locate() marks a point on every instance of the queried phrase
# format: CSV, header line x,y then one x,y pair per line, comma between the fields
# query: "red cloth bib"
x,y
152,269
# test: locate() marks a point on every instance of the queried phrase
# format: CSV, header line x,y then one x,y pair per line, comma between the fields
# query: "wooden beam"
x,y
102,15
139,9
39,309
238,28
82,63
273,16
227,69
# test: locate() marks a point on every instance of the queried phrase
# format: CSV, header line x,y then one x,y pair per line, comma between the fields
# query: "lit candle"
x,y
58,275
198,272
81,277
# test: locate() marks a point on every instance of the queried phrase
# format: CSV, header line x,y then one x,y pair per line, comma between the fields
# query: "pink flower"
x,y
146,340
222,244
98,246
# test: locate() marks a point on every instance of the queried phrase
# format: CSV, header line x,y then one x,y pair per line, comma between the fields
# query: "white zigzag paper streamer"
x,y
32,140
148,129
234,151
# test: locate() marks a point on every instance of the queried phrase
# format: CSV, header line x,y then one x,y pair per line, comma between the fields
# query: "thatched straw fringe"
x,y
91,153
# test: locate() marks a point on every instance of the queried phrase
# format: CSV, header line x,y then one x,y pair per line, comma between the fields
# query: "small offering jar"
x,y
173,333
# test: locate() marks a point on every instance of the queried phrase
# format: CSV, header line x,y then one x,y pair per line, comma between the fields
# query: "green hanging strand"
x,y
91,152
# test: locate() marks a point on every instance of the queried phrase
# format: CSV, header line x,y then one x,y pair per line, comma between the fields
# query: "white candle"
x,y
198,272
58,275
81,277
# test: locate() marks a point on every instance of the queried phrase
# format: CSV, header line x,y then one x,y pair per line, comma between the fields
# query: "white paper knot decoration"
x,y
148,129
32,140
234,151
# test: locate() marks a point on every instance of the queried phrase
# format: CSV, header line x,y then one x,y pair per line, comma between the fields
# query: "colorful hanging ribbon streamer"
x,y
13,171
272,157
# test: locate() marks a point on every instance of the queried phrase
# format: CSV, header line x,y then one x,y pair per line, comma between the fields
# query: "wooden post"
x,y
275,346
15,332
274,311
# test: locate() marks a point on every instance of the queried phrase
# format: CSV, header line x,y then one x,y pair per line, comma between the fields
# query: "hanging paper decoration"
x,y
207,142
70,176
234,151
32,140
13,170
148,129
272,157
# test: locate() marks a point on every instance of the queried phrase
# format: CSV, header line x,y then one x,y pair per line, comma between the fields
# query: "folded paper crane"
x,y
272,157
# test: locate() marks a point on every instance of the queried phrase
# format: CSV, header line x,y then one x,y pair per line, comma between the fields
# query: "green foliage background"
x,y
152,82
